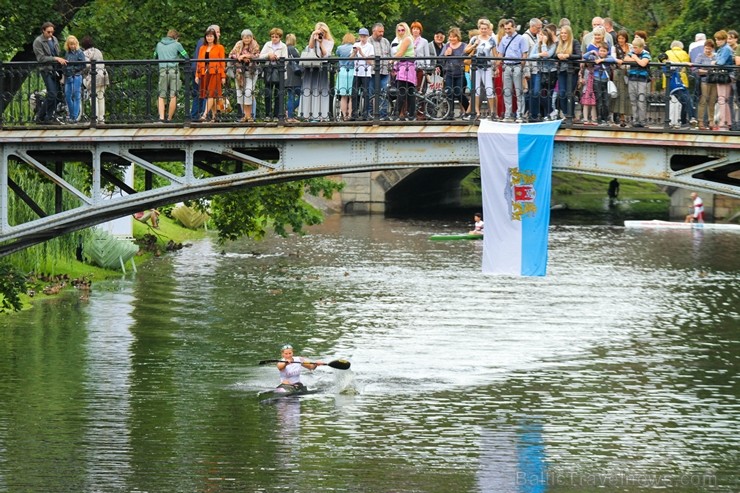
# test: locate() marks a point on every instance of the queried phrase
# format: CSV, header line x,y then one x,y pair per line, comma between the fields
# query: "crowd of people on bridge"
x,y
528,74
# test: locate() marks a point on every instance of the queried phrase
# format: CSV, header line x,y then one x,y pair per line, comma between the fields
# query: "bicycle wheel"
x,y
336,107
437,106
380,105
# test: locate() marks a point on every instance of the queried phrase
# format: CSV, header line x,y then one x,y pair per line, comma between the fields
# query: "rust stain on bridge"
x,y
231,132
633,160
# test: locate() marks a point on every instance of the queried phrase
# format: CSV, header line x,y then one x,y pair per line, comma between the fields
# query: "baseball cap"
x,y
364,32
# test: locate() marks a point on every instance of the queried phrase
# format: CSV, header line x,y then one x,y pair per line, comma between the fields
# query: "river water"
x,y
618,371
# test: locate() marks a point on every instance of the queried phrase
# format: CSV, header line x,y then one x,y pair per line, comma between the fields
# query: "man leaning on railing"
x,y
46,49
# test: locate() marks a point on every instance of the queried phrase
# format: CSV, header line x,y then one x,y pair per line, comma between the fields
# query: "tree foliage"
x,y
129,29
12,284
249,212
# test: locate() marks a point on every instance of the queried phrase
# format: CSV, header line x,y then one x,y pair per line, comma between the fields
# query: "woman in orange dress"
x,y
211,75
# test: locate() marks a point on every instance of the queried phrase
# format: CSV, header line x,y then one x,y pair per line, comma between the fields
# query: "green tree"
x,y
12,284
249,212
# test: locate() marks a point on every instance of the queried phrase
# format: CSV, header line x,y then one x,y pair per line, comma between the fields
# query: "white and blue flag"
x,y
516,177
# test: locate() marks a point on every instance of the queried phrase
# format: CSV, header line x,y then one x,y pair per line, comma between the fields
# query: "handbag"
x,y
293,65
314,60
718,76
271,73
611,87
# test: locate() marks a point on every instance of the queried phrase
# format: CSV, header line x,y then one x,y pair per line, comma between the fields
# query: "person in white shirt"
x,y
698,214
363,52
290,369
478,228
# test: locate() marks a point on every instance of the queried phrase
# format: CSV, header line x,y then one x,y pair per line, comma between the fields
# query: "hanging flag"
x,y
516,177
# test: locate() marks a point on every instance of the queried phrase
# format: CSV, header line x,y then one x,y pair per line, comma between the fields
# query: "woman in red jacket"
x,y
211,75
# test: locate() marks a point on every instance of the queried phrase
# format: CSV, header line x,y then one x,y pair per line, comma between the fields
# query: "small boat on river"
x,y
656,224
465,236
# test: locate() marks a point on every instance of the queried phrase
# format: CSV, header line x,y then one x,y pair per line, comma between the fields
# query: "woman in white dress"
x,y
315,94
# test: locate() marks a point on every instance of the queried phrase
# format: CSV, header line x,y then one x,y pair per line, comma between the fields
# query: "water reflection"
x,y
624,360
109,371
288,430
512,459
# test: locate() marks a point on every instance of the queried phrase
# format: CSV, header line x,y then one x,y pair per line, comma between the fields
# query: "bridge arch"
x,y
263,155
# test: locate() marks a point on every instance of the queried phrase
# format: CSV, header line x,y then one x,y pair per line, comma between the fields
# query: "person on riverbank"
x,y
290,369
151,215
478,227
613,191
698,214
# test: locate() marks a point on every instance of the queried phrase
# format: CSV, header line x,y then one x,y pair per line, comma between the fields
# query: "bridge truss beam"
x,y
263,155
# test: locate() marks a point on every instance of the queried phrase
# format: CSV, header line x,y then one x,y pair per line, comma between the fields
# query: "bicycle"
x,y
432,98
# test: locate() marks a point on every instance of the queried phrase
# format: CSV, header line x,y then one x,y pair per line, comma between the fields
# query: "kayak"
x,y
655,224
281,392
465,236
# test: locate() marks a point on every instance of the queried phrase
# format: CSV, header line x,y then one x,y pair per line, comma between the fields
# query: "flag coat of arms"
x,y
516,178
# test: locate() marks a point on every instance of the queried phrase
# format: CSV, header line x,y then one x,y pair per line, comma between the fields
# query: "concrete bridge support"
x,y
403,189
717,207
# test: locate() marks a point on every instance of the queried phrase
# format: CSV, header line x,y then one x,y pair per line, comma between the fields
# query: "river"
x,y
618,371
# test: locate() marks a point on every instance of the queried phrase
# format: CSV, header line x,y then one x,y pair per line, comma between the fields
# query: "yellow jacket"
x,y
678,55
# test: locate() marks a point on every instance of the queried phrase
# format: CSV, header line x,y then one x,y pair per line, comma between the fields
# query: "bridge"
x,y
219,158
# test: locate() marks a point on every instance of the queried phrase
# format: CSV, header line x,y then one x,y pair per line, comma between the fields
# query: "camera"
x,y
662,57
321,36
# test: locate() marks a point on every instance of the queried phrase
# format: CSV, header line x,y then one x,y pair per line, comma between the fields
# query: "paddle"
x,y
337,364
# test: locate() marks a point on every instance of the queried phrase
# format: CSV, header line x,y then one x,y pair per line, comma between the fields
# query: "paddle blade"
x,y
269,361
339,364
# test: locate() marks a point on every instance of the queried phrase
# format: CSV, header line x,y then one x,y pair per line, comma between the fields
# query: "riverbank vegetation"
x,y
54,272
586,195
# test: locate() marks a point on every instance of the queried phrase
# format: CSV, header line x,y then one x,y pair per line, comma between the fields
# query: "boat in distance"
x,y
656,224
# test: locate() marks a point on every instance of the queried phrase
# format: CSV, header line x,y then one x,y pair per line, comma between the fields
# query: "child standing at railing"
x,y
639,79
600,75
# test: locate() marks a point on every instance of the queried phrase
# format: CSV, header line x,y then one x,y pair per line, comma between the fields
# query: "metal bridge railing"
x,y
292,91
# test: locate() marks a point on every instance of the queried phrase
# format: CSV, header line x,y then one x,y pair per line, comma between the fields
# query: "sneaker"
x,y
693,122
520,120
638,125
508,119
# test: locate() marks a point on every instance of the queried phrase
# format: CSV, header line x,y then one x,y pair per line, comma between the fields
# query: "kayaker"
x,y
698,213
290,369
478,228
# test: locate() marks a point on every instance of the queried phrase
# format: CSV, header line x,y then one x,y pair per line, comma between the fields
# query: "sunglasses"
x,y
401,29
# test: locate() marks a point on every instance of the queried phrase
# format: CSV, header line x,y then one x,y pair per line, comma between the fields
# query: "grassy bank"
x,y
586,194
65,269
